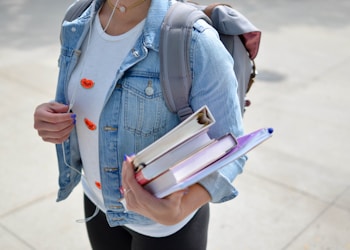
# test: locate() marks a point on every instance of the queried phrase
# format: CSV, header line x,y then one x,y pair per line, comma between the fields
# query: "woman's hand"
x,y
53,123
169,210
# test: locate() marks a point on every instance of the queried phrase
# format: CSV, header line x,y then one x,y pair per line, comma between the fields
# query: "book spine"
x,y
174,156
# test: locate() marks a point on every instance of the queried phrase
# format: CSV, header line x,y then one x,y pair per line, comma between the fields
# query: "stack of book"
x,y
186,154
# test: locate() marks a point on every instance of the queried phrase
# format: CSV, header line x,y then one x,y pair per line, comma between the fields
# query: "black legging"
x,y
193,236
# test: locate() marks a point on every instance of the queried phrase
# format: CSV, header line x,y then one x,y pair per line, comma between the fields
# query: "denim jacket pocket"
x,y
145,113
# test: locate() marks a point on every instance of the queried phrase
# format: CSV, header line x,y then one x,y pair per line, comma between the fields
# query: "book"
x,y
198,122
193,163
172,157
244,144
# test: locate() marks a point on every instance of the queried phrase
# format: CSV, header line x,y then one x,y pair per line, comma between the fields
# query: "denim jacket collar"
x,y
150,36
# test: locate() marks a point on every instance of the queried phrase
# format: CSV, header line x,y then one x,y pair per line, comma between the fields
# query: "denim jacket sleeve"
x,y
215,84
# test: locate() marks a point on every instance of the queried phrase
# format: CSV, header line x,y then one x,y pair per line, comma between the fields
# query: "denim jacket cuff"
x,y
219,187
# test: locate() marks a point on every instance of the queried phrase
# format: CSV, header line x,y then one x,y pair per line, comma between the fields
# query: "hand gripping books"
x,y
186,154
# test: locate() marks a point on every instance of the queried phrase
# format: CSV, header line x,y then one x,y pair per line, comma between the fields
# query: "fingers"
x,y
128,176
51,113
128,185
135,195
166,211
53,123
56,136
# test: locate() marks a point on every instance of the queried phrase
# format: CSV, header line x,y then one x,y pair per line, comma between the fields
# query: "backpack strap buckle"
x,y
185,112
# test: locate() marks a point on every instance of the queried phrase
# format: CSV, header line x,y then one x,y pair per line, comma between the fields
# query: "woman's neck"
x,y
123,20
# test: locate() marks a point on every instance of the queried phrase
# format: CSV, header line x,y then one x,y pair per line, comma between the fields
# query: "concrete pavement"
x,y
295,191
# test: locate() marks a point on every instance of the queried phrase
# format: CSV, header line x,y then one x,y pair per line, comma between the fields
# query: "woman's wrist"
x,y
195,197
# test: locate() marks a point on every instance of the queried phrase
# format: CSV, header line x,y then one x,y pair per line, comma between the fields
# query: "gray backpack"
x,y
240,37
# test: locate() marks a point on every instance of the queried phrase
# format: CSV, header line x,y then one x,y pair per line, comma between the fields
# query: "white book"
x,y
198,122
172,157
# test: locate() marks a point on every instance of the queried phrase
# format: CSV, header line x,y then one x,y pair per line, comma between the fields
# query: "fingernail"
x,y
126,157
73,116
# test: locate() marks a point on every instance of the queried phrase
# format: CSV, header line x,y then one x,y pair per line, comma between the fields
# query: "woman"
x,y
109,104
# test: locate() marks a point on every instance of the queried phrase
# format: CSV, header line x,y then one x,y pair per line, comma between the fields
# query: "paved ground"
x,y
295,192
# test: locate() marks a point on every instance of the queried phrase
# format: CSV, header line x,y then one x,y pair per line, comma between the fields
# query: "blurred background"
x,y
295,190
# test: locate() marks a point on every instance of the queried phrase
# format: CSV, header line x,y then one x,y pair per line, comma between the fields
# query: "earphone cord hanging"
x,y
110,17
72,101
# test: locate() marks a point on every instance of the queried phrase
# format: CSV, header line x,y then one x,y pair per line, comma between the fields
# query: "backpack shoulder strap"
x,y
175,72
76,9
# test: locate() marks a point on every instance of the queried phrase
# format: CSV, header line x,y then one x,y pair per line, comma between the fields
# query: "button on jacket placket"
x,y
134,56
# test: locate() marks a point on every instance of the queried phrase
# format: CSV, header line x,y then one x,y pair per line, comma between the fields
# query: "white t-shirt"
x,y
88,98
89,101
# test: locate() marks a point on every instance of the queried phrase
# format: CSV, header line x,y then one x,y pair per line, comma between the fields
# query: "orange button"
x,y
90,124
98,184
87,83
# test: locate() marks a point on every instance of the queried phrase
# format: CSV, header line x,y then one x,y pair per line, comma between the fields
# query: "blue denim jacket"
x,y
132,118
